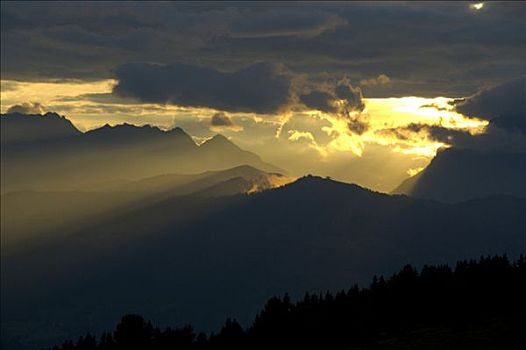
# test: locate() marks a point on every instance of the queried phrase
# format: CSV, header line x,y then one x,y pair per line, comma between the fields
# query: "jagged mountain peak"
x,y
138,131
218,139
23,128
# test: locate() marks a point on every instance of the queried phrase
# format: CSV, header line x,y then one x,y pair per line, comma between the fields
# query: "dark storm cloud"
x,y
434,106
440,133
501,101
381,79
438,49
504,106
341,100
133,39
260,88
494,139
358,125
426,49
221,119
320,100
511,122
27,108
353,102
285,23
351,95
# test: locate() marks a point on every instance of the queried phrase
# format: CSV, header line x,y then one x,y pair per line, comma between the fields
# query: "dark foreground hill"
x,y
476,305
199,259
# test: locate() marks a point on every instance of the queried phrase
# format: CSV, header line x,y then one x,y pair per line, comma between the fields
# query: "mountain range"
x,y
65,158
126,219
30,215
18,128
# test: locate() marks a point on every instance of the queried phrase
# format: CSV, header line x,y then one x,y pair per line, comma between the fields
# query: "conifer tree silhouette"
x,y
477,305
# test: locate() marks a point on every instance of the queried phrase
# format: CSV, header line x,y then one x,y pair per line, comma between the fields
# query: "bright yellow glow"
x,y
393,112
414,171
426,150
270,181
385,114
478,6
296,136
91,104
14,92
342,139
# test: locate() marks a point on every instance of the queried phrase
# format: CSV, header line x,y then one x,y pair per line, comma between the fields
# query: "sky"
x,y
364,92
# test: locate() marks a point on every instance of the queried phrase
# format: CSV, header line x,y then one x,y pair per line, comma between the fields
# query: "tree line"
x,y
478,304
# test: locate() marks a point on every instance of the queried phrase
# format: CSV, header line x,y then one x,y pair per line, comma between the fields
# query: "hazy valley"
x,y
158,245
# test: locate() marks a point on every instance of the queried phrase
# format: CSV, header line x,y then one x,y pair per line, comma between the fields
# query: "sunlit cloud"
x,y
382,79
477,6
295,135
220,121
301,138
392,113
18,92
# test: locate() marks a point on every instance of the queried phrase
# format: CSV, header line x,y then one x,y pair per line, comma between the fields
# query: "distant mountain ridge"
x,y
67,158
17,128
26,213
126,134
256,180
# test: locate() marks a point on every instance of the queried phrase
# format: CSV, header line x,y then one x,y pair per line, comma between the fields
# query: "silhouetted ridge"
x,y
17,128
242,170
476,305
220,148
313,180
131,129
245,169
106,154
209,182
129,133
219,138
178,132
228,187
219,141
317,185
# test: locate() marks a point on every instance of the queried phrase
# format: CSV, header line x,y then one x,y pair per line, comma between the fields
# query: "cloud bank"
x,y
503,105
27,108
453,51
220,121
341,100
260,88
496,102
